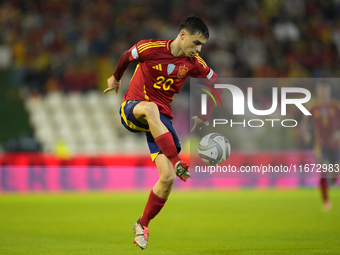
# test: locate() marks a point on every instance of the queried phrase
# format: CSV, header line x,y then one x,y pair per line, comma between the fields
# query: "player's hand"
x,y
112,84
198,124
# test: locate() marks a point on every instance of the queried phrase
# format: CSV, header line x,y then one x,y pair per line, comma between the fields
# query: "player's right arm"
x,y
112,84
131,55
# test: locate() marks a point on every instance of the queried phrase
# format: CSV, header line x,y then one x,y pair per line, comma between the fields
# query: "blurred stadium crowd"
x,y
72,46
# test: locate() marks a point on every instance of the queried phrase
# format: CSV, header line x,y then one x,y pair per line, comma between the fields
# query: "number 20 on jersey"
x,y
163,83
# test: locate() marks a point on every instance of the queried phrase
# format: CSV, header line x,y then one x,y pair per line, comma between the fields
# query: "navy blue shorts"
x,y
132,124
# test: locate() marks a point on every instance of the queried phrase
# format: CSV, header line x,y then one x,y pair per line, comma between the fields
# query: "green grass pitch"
x,y
203,222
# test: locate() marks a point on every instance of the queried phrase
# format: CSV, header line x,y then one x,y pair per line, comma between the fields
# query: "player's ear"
x,y
182,34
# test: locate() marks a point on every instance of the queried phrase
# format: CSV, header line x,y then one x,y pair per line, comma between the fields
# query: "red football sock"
x,y
324,189
166,143
152,208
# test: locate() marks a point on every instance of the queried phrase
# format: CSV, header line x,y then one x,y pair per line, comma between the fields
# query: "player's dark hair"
x,y
194,25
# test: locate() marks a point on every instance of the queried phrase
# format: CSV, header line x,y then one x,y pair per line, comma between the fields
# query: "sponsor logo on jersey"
x,y
134,53
158,67
182,72
171,68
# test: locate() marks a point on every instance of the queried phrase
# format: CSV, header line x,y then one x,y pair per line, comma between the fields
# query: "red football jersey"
x,y
159,75
326,121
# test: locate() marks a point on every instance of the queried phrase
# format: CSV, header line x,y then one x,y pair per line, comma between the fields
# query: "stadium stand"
x,y
86,123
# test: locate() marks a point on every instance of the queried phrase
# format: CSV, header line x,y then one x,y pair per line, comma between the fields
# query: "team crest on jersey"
x,y
171,68
182,72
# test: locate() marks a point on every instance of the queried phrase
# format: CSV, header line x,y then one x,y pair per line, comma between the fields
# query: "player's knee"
x,y
151,110
168,180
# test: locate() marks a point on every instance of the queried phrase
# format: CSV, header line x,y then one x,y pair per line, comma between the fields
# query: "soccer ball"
x,y
214,149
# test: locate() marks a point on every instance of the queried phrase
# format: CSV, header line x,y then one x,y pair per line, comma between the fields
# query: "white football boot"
x,y
182,171
142,235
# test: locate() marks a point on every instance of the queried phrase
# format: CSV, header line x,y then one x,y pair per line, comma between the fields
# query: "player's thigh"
x,y
128,119
145,110
165,169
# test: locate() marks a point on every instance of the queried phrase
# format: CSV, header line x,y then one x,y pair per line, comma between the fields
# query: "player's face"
x,y
191,44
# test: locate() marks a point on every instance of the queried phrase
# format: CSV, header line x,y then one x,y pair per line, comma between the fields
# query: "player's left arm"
x,y
209,78
198,123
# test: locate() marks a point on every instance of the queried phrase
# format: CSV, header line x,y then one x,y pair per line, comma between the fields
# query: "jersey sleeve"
x,y
131,55
138,52
202,70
